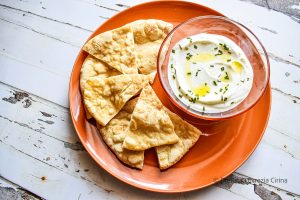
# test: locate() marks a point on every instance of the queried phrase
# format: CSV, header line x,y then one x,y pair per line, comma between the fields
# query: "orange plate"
x,y
211,159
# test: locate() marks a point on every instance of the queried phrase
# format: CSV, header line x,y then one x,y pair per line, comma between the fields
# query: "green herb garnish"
x,y
226,77
215,83
219,53
222,68
195,46
173,50
189,73
188,56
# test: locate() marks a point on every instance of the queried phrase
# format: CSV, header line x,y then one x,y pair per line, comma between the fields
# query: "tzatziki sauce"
x,y
209,73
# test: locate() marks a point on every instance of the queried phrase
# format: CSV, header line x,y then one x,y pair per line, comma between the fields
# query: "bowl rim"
x,y
203,117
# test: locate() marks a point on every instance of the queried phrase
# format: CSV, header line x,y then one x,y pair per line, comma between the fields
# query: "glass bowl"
x,y
242,36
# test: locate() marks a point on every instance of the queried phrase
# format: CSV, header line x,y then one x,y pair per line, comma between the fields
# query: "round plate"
x,y
211,159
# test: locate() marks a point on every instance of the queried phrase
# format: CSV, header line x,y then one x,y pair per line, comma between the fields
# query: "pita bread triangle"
x,y
105,97
114,134
188,135
94,67
148,37
150,124
115,48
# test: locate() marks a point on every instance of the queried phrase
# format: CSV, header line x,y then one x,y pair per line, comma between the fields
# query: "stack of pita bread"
x,y
115,83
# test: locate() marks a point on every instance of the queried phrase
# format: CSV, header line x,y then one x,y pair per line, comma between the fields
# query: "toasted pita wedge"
x,y
116,48
150,124
114,134
188,135
105,97
148,37
93,67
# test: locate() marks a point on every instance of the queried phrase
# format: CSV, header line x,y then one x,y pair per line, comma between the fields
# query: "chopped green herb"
x,y
216,93
226,77
248,79
221,89
186,48
219,81
174,77
205,84
211,65
190,39
221,97
189,73
180,47
225,98
222,68
179,87
215,83
203,108
193,100
219,53
228,60
188,56
180,95
173,50
197,72
242,81
232,102
195,46
194,63
215,48
224,46
172,66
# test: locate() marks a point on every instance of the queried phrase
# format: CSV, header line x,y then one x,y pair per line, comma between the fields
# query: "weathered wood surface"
x,y
39,148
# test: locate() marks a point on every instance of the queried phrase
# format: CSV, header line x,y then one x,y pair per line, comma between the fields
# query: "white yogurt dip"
x,y
209,73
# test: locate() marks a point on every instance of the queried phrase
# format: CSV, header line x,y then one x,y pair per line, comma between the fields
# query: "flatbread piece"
x,y
188,135
150,124
116,48
114,134
105,97
148,37
93,67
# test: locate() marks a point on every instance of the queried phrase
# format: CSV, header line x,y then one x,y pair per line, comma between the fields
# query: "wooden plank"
x,y
12,191
33,79
50,183
43,26
27,111
56,143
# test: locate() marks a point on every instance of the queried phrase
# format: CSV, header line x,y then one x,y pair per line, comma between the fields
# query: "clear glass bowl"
x,y
233,30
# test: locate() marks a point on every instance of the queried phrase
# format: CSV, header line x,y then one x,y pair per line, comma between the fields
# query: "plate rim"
x,y
132,183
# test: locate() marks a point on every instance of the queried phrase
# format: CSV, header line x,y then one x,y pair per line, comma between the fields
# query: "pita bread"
x,y
105,97
114,134
148,37
188,135
150,124
115,48
93,67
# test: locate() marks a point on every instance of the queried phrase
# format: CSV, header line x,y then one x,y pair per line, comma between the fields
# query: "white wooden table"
x,y
40,152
